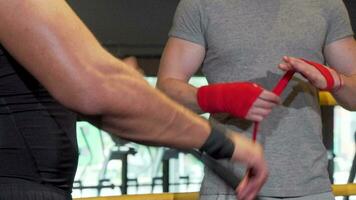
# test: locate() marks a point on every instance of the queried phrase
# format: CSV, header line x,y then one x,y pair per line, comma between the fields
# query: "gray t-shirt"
x,y
244,41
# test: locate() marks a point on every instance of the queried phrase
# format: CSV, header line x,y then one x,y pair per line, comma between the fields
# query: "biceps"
x,y
180,59
341,55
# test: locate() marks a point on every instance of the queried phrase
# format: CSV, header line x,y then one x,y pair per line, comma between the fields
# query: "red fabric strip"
x,y
325,72
278,89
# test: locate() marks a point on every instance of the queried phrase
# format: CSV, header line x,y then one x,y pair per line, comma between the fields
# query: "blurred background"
x,y
111,166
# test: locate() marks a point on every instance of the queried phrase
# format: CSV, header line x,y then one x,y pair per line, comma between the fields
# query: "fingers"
x,y
258,114
260,103
255,178
292,63
309,72
240,190
133,62
255,118
285,66
295,64
270,97
253,181
263,106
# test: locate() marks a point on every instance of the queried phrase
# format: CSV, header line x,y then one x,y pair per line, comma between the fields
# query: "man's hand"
x,y
322,77
240,99
263,106
251,154
133,62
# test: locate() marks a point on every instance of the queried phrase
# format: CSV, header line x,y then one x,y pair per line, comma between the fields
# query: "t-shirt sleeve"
x,y
188,22
339,25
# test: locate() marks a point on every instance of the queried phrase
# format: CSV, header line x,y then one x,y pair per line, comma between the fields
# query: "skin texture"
x,y
52,43
341,56
180,60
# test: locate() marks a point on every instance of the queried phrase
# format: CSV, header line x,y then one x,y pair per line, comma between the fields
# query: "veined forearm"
x,y
161,121
181,92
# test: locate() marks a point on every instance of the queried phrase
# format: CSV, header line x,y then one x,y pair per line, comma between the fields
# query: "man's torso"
x,y
245,40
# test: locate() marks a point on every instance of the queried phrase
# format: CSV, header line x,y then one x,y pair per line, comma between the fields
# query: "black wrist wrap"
x,y
218,145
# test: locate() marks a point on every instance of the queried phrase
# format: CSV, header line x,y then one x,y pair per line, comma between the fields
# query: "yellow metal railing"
x,y
163,196
344,190
326,99
338,190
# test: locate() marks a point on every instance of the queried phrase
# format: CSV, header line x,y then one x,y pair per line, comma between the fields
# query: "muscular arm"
x,y
341,55
51,42
180,60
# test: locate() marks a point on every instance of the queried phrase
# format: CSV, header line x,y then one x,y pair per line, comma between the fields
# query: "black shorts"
x,y
19,189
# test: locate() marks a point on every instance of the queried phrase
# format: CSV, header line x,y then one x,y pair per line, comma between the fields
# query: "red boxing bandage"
x,y
330,82
282,84
234,98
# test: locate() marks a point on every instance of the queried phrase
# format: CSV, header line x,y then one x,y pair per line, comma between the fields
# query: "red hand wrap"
x,y
234,98
330,82
282,84
278,89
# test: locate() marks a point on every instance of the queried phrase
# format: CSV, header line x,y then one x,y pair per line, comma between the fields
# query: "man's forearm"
x,y
181,92
341,55
130,108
